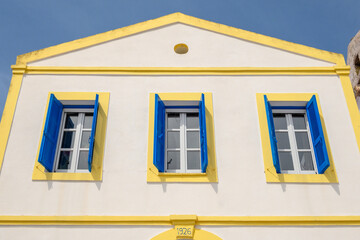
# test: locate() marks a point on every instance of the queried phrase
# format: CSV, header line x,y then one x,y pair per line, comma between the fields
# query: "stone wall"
x,y
353,60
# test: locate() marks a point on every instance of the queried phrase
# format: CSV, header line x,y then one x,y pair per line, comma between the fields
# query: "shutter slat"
x,y
203,139
317,134
270,120
50,134
93,130
159,134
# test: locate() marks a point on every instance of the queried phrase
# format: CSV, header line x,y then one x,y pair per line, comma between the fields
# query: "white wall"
x,y
241,190
155,48
146,233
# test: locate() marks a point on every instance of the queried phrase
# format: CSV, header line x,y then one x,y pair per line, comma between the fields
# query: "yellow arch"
x,y
198,235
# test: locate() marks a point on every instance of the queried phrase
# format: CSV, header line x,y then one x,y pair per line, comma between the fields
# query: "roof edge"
x,y
62,48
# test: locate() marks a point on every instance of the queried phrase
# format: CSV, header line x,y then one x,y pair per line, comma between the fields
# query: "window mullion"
x,y
77,142
293,146
182,143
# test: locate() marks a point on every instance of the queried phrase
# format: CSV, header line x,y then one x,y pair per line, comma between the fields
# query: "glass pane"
x,y
71,120
192,120
279,121
173,140
299,121
282,140
68,139
64,160
286,162
173,160
83,160
193,139
85,139
88,120
306,161
193,160
302,140
173,121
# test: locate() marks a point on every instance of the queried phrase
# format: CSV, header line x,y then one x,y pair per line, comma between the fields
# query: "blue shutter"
x,y
272,135
203,140
159,134
50,134
93,129
322,158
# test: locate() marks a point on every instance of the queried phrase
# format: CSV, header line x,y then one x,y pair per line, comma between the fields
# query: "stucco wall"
x,y
241,190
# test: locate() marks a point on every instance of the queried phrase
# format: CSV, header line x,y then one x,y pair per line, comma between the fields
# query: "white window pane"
x,y
88,120
193,160
282,140
192,120
173,121
173,160
68,139
193,139
299,121
83,160
173,140
306,161
302,140
71,120
279,121
286,162
85,139
65,160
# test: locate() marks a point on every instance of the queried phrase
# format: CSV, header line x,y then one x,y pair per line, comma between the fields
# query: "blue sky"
x,y
27,26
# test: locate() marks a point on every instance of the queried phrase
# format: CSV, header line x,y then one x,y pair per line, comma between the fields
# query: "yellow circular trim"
x,y
181,48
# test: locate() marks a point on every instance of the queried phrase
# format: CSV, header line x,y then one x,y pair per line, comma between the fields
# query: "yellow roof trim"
x,y
335,58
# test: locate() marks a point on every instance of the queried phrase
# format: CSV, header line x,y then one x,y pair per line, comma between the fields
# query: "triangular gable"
x,y
324,58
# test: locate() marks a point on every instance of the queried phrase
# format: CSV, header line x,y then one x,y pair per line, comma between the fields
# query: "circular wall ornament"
x,y
181,48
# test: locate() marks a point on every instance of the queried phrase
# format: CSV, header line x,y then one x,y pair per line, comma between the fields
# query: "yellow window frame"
x,y
39,172
270,172
153,175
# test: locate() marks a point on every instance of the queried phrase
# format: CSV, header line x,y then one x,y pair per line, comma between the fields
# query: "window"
x,y
294,140
72,153
181,138
294,143
72,142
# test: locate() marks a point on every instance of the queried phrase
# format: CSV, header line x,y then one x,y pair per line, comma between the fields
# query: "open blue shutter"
x,y
322,158
203,139
50,134
93,129
159,134
273,141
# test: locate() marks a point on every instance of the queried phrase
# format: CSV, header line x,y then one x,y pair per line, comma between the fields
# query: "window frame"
x,y
292,140
77,141
153,174
183,140
295,100
81,98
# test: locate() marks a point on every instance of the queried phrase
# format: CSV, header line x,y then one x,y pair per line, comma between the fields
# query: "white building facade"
x,y
180,128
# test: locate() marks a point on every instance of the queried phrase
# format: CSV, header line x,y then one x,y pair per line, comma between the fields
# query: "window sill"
x,y
154,176
328,177
40,173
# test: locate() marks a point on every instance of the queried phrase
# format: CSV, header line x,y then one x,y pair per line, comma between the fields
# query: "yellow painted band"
x,y
166,220
183,70
8,113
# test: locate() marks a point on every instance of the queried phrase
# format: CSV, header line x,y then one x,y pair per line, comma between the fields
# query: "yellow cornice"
x,y
335,58
182,70
173,220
